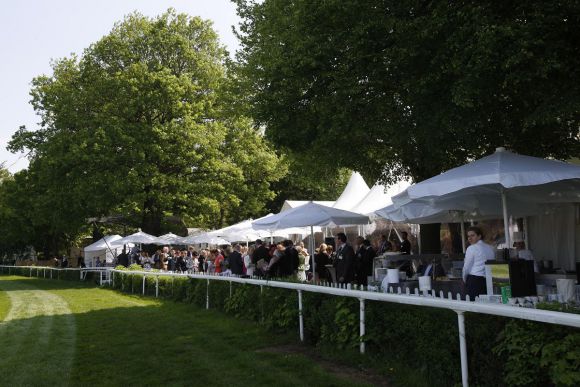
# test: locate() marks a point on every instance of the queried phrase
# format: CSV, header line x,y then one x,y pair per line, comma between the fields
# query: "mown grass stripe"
x,y
37,334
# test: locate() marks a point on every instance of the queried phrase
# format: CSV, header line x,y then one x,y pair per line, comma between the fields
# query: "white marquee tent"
x,y
378,197
353,193
106,248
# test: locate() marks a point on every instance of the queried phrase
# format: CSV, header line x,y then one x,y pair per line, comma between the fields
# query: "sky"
x,y
33,32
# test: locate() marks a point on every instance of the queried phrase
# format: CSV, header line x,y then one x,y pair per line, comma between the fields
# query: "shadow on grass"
x,y
163,344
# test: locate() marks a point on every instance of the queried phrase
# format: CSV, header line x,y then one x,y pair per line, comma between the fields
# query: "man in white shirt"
x,y
474,265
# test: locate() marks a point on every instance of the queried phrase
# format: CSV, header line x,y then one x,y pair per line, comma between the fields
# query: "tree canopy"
x,y
139,126
409,87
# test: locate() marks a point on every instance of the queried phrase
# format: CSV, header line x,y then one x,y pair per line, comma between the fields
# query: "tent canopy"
x,y
288,204
552,180
141,237
379,197
310,214
103,243
354,192
503,175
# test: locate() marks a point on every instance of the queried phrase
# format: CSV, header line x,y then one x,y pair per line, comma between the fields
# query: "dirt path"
x,y
38,322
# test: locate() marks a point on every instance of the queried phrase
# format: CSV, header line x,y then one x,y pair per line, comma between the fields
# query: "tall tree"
x,y
416,86
136,126
412,88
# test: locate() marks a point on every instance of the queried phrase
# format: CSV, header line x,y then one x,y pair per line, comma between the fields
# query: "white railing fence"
x,y
424,299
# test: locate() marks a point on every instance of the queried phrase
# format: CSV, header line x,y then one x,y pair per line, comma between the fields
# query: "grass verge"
x,y
100,337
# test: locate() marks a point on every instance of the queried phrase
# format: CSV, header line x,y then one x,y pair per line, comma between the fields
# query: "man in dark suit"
x,y
367,261
288,264
344,262
236,262
358,260
260,252
405,244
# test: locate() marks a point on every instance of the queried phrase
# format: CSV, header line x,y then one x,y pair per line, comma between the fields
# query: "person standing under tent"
x,y
344,262
359,255
260,252
321,259
236,262
367,261
474,265
202,261
248,265
384,245
405,244
218,261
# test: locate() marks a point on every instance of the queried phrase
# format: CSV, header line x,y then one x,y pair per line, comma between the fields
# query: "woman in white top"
x,y
474,265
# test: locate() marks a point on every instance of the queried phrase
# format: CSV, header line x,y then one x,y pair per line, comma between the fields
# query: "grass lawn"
x,y
66,333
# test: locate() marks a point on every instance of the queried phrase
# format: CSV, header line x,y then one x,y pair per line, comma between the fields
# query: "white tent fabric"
x,y
106,248
454,210
354,192
244,232
553,236
103,243
208,238
379,197
288,204
502,169
170,239
310,214
505,175
140,237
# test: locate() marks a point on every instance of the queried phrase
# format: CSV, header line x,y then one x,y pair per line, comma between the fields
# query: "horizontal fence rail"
x,y
426,299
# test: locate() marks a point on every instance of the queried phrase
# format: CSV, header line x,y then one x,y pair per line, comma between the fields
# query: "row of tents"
x,y
498,186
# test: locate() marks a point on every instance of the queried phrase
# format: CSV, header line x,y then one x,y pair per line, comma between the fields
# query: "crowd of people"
x,y
342,263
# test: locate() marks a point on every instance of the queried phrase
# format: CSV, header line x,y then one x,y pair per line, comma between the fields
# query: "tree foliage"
x,y
410,87
139,126
307,179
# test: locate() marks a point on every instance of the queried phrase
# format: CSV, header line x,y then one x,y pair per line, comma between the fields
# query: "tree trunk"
x,y
151,221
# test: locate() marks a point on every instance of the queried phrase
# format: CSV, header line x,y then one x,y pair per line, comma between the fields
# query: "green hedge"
x,y
501,351
40,272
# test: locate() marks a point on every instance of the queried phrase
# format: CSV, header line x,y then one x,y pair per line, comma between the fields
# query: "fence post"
x,y
462,348
262,302
230,289
300,316
362,325
156,286
207,295
144,279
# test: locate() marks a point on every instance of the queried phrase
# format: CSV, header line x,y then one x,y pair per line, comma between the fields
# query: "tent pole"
x,y
312,254
397,232
463,233
526,235
505,219
419,239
